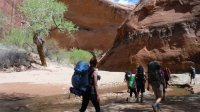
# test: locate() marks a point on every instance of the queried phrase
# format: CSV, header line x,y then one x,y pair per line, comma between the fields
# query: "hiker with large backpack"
x,y
157,82
131,84
84,83
140,82
167,75
192,73
92,93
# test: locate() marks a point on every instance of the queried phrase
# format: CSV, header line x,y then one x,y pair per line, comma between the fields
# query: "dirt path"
x,y
46,90
51,80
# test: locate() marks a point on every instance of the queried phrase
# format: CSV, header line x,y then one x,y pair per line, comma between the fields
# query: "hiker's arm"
x,y
96,85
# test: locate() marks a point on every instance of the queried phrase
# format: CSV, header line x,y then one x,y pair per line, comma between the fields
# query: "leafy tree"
x,y
45,16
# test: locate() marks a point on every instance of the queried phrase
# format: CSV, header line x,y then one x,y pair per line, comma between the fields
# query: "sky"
x,y
126,1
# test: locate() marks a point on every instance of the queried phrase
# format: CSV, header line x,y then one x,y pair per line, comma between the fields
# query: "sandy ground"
x,y
47,82
51,80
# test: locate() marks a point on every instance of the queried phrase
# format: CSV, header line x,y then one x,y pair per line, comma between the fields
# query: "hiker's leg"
x,y
85,101
194,79
131,91
138,92
155,90
190,79
158,91
164,91
95,103
128,90
142,91
135,92
164,97
141,99
160,96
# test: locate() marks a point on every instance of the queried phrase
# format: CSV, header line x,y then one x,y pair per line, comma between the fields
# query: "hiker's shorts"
x,y
140,88
192,76
158,91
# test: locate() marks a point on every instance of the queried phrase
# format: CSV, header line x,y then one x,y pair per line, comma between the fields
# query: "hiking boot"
x,y
158,106
130,99
141,100
137,100
155,108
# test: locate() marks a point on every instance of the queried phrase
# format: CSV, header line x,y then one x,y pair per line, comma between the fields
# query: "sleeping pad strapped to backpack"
x,y
80,78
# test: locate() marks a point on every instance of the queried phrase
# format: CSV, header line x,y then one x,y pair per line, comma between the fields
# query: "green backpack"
x,y
131,81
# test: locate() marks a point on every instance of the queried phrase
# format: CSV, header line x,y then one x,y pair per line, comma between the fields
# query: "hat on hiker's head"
x,y
128,72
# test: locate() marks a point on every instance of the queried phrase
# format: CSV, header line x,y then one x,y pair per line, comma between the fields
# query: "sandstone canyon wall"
x,y
98,21
8,8
163,30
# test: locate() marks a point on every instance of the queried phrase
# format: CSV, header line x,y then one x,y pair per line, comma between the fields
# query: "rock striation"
x,y
164,30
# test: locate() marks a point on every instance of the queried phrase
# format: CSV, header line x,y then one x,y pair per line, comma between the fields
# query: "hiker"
x,y
192,73
157,82
92,93
140,82
167,74
131,84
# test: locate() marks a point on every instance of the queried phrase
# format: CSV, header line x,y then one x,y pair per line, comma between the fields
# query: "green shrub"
x,y
17,37
60,56
76,55
51,47
63,56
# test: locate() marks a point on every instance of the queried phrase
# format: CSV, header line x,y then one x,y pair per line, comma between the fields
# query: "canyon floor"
x,y
46,89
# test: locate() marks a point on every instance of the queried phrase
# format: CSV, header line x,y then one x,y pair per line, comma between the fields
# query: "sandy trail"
x,y
56,80
51,80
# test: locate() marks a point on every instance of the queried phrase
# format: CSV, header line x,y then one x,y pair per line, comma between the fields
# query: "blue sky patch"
x,y
126,2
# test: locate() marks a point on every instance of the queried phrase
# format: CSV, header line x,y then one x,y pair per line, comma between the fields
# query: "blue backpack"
x,y
80,79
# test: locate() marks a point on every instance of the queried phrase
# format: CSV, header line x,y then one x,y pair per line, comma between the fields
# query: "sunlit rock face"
x,y
163,30
9,9
98,21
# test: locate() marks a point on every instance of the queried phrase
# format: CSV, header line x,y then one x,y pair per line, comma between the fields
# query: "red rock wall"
x,y
163,30
9,8
98,21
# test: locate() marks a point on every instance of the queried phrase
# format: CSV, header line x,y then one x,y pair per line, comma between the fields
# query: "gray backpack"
x,y
155,76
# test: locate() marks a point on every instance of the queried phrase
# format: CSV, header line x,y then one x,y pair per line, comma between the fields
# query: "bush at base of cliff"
x,y
72,56
76,55
14,57
17,37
